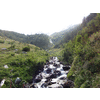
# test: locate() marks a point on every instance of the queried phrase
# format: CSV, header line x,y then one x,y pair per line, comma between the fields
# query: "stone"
x,y
66,68
48,70
5,66
18,80
2,82
38,78
24,52
55,64
58,73
3,49
53,76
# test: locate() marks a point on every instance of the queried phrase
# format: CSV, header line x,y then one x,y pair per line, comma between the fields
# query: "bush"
x,y
26,49
1,41
12,54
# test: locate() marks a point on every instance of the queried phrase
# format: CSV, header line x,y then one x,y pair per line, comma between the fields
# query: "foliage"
x,y
26,49
24,66
1,41
40,40
83,53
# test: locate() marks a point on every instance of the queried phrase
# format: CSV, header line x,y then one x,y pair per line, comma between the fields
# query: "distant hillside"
x,y
40,40
58,36
73,31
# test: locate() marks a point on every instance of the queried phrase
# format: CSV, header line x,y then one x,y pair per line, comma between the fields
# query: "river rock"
x,y
66,68
38,78
58,73
48,70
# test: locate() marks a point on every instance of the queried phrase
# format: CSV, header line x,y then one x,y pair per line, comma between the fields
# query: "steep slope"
x,y
58,36
73,31
83,53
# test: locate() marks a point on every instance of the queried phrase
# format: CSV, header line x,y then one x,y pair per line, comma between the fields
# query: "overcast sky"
x,y
36,16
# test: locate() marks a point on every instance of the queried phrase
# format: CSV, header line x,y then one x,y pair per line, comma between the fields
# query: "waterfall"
x,y
51,41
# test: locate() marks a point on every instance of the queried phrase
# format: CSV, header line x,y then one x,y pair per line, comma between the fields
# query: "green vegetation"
x,y
40,40
83,53
78,46
22,65
26,49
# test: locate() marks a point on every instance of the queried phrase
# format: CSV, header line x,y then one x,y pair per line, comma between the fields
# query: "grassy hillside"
x,y
83,53
21,63
40,40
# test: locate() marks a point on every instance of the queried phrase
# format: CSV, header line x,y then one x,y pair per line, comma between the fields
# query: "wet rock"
x,y
58,73
48,70
66,68
55,64
44,85
61,63
50,62
53,76
38,78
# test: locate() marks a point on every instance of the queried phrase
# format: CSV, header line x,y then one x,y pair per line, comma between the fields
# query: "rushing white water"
x,y
52,76
51,41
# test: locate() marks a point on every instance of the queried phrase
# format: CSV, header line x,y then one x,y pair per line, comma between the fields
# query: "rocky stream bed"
x,y
53,75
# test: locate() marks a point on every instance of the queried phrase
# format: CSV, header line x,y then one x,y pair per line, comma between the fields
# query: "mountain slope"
x,y
83,53
21,63
40,40
58,36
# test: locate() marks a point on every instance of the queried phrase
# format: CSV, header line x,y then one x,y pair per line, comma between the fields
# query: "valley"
x,y
66,59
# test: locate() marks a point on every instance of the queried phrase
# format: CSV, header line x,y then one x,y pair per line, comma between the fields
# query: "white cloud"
x,y
32,16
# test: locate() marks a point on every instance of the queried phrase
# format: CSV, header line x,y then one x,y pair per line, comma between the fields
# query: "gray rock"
x,y
24,52
3,49
18,80
5,66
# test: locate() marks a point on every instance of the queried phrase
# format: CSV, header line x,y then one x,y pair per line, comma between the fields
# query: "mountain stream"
x,y
54,75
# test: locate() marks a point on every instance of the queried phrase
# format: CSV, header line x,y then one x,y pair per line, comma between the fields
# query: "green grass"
x,y
23,65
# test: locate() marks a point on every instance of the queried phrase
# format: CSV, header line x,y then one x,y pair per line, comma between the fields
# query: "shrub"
x,y
1,41
12,54
26,49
